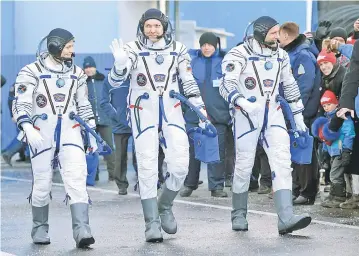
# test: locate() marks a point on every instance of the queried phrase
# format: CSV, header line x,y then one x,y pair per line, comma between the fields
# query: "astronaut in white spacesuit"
x,y
252,74
154,63
52,87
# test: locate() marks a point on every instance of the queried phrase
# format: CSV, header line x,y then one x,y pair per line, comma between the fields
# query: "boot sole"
x,y
43,243
155,240
170,232
240,229
85,242
303,223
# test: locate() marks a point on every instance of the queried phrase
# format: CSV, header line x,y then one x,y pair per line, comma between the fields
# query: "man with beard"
x,y
252,74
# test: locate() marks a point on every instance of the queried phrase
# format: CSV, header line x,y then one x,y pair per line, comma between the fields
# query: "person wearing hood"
x,y
308,77
206,68
252,73
47,91
154,63
103,122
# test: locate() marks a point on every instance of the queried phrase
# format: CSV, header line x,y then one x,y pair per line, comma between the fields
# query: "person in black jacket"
x,y
333,75
346,107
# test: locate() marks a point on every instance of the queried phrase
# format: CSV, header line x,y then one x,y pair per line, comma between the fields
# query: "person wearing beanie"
x,y
336,43
339,146
333,75
206,68
95,83
252,72
308,76
326,62
47,91
339,34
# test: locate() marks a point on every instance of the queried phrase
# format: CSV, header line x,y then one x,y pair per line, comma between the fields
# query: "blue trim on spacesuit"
x,y
39,153
57,137
45,76
149,127
162,110
175,125
71,144
279,126
252,130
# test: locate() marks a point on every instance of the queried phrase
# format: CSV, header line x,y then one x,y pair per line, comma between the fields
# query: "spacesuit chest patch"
x,y
141,79
41,101
250,83
174,78
268,83
159,77
59,97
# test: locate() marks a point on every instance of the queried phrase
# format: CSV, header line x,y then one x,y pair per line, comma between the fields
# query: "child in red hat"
x,y
338,145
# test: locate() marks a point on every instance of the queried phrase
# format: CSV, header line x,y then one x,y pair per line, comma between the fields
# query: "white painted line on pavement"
x,y
326,223
6,254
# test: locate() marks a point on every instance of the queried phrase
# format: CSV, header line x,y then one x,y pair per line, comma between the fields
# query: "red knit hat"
x,y
325,56
328,97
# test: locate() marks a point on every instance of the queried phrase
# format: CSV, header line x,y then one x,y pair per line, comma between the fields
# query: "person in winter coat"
x,y
103,123
333,75
308,77
339,145
206,69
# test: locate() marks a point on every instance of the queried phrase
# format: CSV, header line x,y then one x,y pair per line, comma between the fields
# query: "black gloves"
x,y
335,123
322,30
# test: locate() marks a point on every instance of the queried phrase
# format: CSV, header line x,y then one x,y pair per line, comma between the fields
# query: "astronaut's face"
x,y
207,50
153,29
326,67
272,35
68,50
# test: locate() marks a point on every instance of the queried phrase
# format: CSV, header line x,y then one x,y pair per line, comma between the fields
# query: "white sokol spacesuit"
x,y
252,76
154,69
51,88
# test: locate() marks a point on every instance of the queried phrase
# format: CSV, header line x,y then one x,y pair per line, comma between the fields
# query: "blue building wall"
x,y
235,16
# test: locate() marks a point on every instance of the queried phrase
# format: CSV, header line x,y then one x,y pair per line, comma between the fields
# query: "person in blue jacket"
x,y
339,145
95,82
206,69
114,104
308,77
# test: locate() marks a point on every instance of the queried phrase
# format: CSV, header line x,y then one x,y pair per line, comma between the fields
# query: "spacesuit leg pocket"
x,y
74,169
146,148
278,154
42,176
176,153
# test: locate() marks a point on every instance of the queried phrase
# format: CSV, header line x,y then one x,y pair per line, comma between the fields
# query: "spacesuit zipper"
x,y
265,122
57,137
